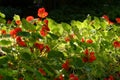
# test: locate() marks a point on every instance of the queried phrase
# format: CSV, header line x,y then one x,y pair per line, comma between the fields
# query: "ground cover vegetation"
x,y
39,48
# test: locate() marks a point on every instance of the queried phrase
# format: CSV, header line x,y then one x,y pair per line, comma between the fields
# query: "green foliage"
x,y
27,26
5,42
32,55
2,15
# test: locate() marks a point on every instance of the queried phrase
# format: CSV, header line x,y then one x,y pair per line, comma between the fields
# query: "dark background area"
x,y
62,10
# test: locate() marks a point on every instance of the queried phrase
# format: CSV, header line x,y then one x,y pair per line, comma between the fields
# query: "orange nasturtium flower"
x,y
29,18
18,22
3,32
42,13
67,39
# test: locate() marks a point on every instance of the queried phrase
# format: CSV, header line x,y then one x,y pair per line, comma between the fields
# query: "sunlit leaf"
x,y
16,17
66,27
5,42
2,15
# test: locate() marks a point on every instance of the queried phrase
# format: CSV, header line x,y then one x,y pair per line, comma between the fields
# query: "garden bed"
x,y
42,49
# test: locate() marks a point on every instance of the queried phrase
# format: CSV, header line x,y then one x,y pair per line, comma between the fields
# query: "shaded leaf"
x,y
53,36
23,34
77,60
2,20
26,56
28,26
55,54
3,60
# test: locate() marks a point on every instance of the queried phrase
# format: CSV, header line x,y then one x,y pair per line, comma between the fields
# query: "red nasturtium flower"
x,y
43,33
18,22
46,22
47,48
14,32
105,17
116,44
3,32
73,77
92,57
42,13
18,29
86,52
90,41
89,56
18,39
66,65
117,20
44,30
42,71
22,43
29,18
61,77
82,40
109,78
85,59
40,46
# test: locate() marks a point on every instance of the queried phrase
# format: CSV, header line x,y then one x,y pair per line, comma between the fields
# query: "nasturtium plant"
x,y
42,49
